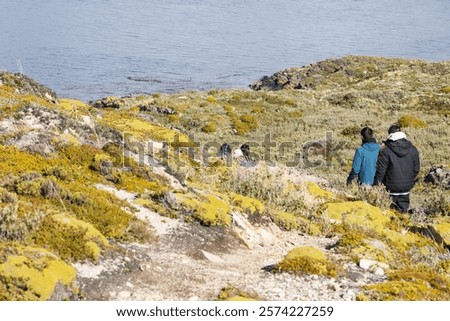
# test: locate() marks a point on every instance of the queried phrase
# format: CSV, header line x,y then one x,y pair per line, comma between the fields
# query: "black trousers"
x,y
400,203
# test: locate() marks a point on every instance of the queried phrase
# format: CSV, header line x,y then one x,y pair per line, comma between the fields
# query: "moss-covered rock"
x,y
25,85
29,273
359,213
307,260
208,210
442,226
248,205
412,284
315,191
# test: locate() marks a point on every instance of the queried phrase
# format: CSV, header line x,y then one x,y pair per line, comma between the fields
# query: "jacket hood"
x,y
400,147
371,146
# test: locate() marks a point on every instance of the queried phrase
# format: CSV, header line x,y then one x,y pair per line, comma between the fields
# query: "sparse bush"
x,y
15,226
209,127
351,131
437,202
173,118
211,99
375,195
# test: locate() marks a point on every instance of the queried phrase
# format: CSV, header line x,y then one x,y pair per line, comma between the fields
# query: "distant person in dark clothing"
x,y
245,148
365,159
397,168
224,151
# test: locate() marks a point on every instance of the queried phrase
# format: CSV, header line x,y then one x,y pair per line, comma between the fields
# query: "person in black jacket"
x,y
397,167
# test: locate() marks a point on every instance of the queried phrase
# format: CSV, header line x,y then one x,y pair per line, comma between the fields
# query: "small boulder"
x,y
439,175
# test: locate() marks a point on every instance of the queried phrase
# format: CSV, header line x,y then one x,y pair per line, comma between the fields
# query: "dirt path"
x,y
194,262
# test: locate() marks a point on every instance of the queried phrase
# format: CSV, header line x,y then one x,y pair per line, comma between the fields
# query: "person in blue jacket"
x,y
365,160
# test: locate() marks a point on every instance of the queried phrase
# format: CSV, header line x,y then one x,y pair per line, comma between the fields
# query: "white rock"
x,y
366,263
237,153
124,295
86,120
379,271
213,258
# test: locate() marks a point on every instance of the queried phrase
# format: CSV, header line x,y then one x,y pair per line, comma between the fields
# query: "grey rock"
x,y
439,175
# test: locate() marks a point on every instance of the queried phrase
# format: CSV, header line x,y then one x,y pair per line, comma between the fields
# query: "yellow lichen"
x,y
247,204
33,274
289,221
317,192
286,221
412,284
442,226
240,298
73,107
141,130
359,213
307,260
232,293
71,238
209,210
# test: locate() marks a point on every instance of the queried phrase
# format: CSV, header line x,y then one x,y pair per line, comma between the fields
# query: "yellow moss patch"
x,y
411,121
411,284
91,233
358,214
73,106
131,124
289,221
67,138
33,274
13,161
209,210
247,204
445,89
240,298
209,127
307,260
231,293
442,226
71,238
401,291
286,221
403,241
317,192
371,252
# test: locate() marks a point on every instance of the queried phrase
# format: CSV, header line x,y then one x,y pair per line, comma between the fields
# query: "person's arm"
x,y
356,167
382,166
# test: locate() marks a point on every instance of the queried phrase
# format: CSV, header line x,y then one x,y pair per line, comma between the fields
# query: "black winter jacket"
x,y
398,166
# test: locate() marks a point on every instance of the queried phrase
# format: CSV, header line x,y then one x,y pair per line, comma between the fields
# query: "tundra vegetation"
x,y
302,125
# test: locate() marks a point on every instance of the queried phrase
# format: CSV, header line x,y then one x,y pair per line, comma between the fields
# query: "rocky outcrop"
x,y
342,71
108,102
26,85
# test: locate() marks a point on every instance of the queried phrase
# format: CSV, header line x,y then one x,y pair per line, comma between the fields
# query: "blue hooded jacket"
x,y
365,163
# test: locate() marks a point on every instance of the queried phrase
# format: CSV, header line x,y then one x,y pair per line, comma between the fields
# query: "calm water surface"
x,y
88,49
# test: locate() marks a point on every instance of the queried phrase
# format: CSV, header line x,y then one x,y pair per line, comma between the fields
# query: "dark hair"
x,y
394,128
367,133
